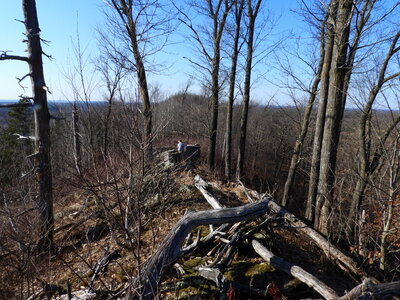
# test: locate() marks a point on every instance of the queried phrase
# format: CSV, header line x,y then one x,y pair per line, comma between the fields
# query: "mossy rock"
x,y
191,264
258,274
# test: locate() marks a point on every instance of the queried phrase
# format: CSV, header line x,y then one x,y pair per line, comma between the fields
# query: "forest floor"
x,y
88,231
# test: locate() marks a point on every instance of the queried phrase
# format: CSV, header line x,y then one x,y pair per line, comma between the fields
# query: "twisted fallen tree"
x,y
170,249
147,287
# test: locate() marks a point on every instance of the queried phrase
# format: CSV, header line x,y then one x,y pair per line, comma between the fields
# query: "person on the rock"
x,y
181,146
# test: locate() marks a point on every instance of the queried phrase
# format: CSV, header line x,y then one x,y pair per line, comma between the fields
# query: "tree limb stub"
x,y
11,105
5,56
170,249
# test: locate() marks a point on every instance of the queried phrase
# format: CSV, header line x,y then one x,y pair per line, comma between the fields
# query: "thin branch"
x,y
196,64
22,78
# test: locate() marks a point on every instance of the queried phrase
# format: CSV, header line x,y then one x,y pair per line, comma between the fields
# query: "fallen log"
x,y
147,286
332,253
205,189
330,250
295,271
369,290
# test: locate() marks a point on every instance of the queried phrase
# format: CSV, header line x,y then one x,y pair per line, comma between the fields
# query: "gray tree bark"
x,y
125,11
42,126
334,114
239,5
252,13
319,124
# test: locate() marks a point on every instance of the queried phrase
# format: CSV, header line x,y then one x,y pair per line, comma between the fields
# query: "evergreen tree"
x,y
13,149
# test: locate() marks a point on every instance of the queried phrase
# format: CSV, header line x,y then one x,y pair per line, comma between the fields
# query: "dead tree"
x,y
170,249
43,172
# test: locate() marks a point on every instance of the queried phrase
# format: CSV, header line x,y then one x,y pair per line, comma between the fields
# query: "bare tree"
x,y
42,123
112,75
315,161
334,114
145,27
238,9
369,158
387,189
352,23
305,122
217,13
252,13
76,138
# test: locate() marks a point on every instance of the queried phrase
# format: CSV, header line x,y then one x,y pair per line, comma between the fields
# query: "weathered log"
x,y
170,249
369,290
344,262
330,250
205,189
295,271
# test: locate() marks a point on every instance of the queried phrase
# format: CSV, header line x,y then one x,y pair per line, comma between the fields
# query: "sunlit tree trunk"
x,y
42,126
333,116
319,124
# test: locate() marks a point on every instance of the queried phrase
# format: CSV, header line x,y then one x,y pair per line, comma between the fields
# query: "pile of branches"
x,y
236,220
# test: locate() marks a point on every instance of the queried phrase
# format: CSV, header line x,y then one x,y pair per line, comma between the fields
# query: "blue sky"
x,y
58,21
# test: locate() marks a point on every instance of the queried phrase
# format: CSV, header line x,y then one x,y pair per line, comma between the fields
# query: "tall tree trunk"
x,y
322,103
219,21
214,107
42,126
252,13
125,11
231,97
334,115
144,93
298,147
363,16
